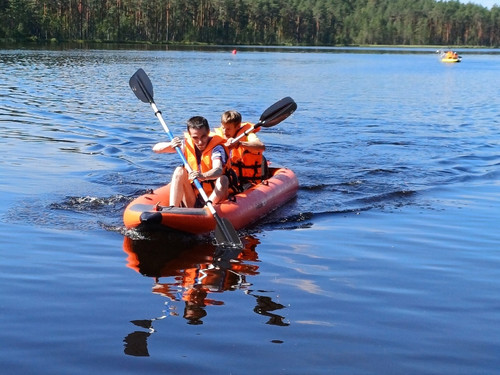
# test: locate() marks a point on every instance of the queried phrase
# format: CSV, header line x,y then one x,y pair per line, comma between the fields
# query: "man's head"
x,y
230,123
199,130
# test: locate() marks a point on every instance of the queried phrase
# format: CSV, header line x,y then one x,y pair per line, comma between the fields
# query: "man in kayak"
x,y
245,154
207,157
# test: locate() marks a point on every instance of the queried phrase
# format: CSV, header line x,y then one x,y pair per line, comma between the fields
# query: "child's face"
x,y
229,129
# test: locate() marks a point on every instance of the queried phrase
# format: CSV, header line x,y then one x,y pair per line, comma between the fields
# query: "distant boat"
x,y
449,57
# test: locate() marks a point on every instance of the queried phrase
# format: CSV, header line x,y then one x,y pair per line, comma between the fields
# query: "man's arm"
x,y
212,174
169,147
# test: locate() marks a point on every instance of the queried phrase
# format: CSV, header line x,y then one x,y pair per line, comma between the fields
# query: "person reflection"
x,y
193,285
194,309
194,276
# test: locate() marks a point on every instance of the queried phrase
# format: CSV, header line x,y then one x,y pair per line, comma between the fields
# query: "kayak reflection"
x,y
193,271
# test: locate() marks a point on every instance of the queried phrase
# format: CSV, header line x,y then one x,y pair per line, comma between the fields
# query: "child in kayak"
x,y
245,154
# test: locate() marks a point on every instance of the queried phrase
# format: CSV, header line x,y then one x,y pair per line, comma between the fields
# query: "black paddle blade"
x,y
141,86
277,112
226,235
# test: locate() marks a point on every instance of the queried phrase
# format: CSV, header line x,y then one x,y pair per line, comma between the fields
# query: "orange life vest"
x,y
206,157
247,165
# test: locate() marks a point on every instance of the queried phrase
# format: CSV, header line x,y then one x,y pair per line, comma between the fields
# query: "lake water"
x,y
387,262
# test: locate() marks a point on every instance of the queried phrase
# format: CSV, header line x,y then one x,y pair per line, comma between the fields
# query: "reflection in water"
x,y
264,305
136,344
195,271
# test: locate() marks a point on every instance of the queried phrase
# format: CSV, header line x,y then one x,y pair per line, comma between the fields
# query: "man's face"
x,y
229,129
200,138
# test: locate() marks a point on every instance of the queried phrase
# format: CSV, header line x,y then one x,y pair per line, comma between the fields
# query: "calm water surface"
x,y
387,262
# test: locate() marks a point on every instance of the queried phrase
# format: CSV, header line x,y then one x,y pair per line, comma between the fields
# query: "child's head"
x,y
230,122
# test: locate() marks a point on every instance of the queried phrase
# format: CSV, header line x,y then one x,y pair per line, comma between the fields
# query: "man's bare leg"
x,y
181,189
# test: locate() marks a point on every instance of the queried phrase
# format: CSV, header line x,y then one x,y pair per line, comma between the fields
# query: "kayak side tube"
x,y
150,211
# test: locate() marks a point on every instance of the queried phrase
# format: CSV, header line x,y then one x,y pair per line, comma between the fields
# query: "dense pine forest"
x,y
257,22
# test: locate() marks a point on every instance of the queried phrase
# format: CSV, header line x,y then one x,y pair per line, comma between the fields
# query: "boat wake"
x,y
91,204
314,201
70,213
303,211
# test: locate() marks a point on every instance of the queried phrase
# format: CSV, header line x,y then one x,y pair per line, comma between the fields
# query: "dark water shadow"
x,y
191,272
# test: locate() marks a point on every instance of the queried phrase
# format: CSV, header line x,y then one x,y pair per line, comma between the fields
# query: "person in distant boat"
x,y
246,156
451,55
207,156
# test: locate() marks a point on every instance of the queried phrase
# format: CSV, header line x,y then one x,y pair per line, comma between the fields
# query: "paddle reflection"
x,y
192,273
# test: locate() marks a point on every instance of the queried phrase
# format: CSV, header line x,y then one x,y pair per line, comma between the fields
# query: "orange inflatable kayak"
x,y
151,211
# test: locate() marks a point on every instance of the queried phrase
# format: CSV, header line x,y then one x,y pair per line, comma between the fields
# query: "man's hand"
x,y
167,146
196,175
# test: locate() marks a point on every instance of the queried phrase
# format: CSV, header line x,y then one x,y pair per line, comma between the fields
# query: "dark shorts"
x,y
199,203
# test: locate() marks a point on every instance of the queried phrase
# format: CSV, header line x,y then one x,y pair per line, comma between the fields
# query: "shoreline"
x,y
144,45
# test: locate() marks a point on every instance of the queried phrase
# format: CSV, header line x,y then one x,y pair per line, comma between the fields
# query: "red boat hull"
x,y
150,211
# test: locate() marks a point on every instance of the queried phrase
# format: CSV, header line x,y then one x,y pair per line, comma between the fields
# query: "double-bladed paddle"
x,y
225,234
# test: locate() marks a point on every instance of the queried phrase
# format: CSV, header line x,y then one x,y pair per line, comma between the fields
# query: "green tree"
x,y
296,22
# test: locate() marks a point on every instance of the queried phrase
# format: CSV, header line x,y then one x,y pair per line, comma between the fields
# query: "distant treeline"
x,y
267,22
